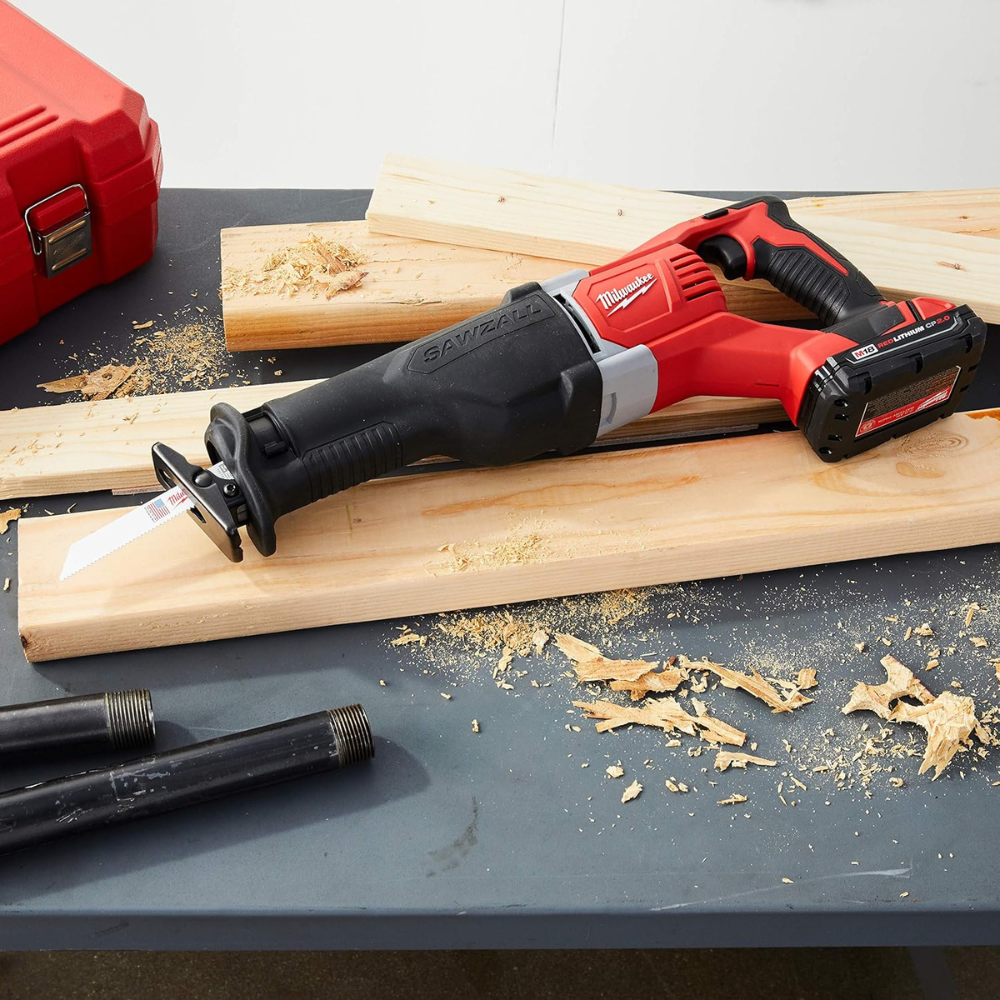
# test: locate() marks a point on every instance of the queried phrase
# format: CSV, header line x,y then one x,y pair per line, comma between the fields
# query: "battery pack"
x,y
80,169
892,384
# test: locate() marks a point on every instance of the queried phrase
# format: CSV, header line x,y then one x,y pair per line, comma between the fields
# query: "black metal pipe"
x,y
197,773
122,719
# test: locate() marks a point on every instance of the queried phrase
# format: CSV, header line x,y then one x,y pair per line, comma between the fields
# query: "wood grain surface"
x,y
105,445
575,220
472,538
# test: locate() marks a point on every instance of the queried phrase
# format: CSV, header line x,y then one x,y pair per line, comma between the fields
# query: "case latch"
x,y
59,228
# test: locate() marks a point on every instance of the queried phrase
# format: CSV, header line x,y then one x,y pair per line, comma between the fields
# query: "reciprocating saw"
x,y
559,363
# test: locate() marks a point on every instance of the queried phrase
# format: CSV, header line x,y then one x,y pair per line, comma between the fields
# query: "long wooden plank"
x,y
471,538
525,213
411,287
102,445
970,212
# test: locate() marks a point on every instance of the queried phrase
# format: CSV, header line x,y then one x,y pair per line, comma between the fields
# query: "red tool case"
x,y
80,169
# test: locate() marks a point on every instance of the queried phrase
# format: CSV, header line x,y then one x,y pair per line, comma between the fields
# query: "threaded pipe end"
x,y
353,734
130,718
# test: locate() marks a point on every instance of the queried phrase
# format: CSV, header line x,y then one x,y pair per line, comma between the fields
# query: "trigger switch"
x,y
725,252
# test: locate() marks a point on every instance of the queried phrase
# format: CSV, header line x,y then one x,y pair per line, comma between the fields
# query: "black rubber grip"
x,y
502,387
800,272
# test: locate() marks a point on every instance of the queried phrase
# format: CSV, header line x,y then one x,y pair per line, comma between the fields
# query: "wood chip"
x,y
614,771
7,518
98,384
978,642
6,584
924,629
475,725
725,759
445,695
632,792
665,714
806,679
407,637
788,881
948,719
142,326
733,800
637,677
752,683
877,698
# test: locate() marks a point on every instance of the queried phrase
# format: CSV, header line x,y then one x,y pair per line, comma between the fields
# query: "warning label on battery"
x,y
905,402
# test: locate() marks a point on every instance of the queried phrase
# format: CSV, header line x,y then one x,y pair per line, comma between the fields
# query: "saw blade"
x,y
87,550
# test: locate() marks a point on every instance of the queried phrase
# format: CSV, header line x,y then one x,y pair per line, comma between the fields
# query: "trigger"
x,y
725,252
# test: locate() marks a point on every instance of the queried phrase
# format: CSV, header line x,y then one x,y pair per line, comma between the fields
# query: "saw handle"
x,y
500,387
758,238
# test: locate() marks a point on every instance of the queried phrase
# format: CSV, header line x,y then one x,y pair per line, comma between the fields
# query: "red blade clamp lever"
x,y
559,363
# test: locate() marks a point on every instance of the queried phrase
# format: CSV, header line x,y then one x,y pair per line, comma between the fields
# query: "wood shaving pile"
x,y
666,714
637,677
315,266
519,548
189,352
948,719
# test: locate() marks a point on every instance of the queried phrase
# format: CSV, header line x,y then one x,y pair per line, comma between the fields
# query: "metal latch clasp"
x,y
59,229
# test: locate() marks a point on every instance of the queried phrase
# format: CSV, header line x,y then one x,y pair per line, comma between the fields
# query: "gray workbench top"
x,y
503,838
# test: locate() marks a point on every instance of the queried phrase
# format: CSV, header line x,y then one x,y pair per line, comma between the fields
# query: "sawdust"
x,y
7,517
407,637
753,684
188,351
314,266
518,548
948,719
725,759
857,758
663,713
98,384
637,677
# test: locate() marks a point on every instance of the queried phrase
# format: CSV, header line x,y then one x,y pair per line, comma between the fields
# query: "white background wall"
x,y
756,94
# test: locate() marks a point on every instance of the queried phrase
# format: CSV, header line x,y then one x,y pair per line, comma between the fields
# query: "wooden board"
x,y
79,447
411,287
972,212
575,220
405,546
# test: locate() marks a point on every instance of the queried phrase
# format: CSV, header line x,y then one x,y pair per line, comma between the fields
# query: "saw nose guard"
x,y
219,507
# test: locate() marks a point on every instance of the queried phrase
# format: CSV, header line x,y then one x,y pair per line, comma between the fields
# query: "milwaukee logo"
x,y
449,345
620,298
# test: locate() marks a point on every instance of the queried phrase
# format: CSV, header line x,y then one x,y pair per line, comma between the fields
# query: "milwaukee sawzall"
x,y
560,363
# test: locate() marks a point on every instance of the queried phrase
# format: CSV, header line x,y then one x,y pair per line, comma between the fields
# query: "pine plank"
x,y
411,287
104,445
576,220
470,538
971,212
